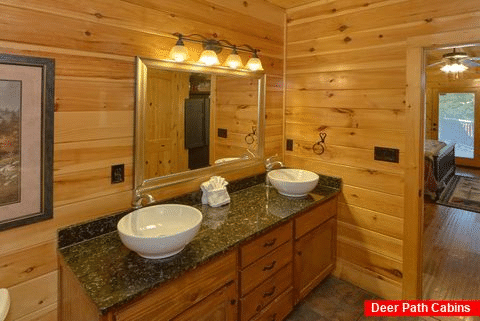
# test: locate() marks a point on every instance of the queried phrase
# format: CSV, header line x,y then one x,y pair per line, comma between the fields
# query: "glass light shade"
x,y
454,68
179,53
209,58
254,64
234,61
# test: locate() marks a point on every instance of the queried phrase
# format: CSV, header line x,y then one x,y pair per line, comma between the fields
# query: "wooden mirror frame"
x,y
142,185
414,143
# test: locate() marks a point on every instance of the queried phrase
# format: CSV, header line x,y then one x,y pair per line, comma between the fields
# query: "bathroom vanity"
x,y
253,259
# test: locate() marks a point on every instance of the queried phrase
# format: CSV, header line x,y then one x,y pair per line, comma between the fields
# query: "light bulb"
x,y
234,61
454,68
209,58
179,52
254,64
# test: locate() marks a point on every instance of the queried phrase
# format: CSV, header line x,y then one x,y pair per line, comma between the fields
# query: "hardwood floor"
x,y
452,255
451,268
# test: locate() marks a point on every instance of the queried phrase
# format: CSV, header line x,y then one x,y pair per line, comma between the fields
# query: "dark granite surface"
x,y
113,275
90,229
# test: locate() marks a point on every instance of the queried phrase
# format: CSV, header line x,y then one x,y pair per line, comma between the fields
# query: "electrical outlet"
x,y
387,154
290,144
118,173
222,132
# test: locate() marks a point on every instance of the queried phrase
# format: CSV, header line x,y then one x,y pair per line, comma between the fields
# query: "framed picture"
x,y
26,139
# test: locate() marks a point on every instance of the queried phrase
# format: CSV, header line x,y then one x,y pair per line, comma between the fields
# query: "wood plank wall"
x,y
346,75
237,113
94,44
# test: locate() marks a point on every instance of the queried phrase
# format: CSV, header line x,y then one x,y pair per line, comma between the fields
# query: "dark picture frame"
x,y
27,94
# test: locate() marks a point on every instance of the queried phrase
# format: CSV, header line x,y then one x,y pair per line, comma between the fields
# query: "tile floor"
x,y
333,299
337,300
449,274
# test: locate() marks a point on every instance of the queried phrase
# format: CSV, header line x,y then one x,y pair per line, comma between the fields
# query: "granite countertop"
x,y
112,275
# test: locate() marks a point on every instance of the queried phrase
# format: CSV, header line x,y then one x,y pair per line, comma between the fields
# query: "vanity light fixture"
x,y
209,56
234,61
179,52
254,63
211,48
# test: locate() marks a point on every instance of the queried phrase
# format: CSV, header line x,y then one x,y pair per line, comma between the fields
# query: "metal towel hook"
x,y
319,146
251,137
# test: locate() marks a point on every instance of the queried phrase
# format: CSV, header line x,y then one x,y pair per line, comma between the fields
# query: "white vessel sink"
x,y
159,231
293,182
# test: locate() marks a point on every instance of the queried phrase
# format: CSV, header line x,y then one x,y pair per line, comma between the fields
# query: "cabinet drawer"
x,y
278,309
313,218
266,292
180,294
221,305
265,267
264,244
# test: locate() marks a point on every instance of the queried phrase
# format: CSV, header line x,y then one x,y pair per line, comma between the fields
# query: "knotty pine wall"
x,y
346,75
238,115
94,44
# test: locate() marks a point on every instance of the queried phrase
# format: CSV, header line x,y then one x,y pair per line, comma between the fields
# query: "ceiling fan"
x,y
456,61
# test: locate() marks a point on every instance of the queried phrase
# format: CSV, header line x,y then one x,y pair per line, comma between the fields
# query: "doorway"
x,y
197,121
414,153
450,256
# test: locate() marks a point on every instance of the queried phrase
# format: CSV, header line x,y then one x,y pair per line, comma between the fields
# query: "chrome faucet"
x,y
138,202
270,163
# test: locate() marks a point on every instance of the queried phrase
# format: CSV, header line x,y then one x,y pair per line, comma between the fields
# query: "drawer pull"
x,y
269,267
269,293
270,243
273,317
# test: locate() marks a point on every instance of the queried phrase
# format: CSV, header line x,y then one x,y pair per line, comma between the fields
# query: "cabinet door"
x,y
219,306
314,257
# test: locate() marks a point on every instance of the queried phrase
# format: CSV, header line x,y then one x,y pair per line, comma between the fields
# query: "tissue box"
x,y
218,197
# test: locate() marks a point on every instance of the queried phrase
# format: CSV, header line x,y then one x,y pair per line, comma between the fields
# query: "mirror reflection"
x,y
195,120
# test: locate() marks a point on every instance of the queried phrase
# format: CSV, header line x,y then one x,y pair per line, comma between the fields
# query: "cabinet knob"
x,y
270,266
299,252
233,302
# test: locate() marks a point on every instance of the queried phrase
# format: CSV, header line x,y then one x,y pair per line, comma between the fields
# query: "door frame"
x,y
415,125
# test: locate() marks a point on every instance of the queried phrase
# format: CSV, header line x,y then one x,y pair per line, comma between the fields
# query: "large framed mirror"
x,y
193,120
